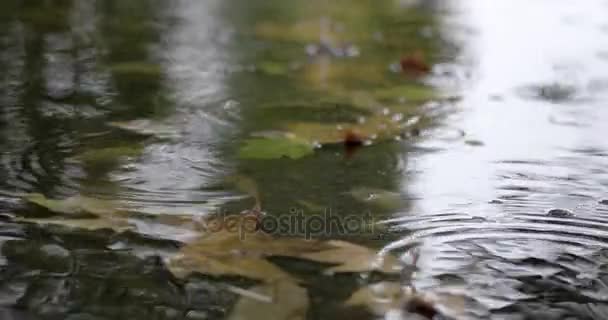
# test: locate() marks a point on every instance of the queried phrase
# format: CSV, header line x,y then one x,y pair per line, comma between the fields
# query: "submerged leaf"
x,y
248,186
242,253
382,198
414,63
409,92
273,148
73,206
374,128
145,127
184,264
273,68
110,154
379,297
118,224
137,68
289,301
239,253
350,257
80,212
383,298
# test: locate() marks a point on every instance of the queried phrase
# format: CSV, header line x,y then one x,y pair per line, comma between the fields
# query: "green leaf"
x,y
137,69
110,154
273,68
146,127
116,223
382,198
409,92
72,206
273,148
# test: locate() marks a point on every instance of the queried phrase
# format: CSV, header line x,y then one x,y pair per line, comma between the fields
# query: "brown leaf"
x,y
289,301
384,297
226,253
350,257
414,63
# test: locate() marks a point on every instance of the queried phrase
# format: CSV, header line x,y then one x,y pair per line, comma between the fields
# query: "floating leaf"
x,y
311,206
146,127
79,212
380,297
110,154
409,92
384,297
117,223
241,253
225,253
137,68
273,68
253,268
350,257
261,148
474,143
248,186
414,63
374,128
301,31
335,75
382,198
288,301
315,111
73,206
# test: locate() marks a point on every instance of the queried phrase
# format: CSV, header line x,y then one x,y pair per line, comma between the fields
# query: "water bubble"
x,y
397,117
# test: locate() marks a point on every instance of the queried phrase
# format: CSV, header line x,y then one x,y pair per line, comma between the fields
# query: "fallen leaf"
x,y
244,254
248,186
262,148
289,301
353,139
137,68
385,297
225,253
79,212
409,92
185,264
146,127
474,143
379,297
118,224
376,128
414,63
350,257
73,206
109,154
273,68
379,197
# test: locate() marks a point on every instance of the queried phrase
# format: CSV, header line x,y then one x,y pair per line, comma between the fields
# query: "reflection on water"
x,y
485,224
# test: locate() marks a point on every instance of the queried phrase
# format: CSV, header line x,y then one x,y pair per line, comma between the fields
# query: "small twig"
x,y
250,294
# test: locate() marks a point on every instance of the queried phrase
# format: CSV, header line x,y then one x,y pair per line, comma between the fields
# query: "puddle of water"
x,y
147,113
